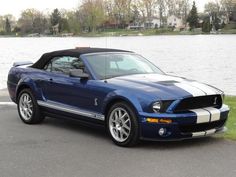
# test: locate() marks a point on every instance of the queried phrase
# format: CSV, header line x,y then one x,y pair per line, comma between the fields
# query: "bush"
x,y
206,26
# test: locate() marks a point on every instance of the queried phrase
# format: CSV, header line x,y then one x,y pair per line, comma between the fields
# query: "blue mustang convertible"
x,y
119,89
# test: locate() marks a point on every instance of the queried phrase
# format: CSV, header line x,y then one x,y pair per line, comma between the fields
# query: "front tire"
x,y
28,108
122,125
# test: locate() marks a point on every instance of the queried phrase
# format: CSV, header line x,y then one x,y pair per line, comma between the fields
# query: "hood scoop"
x,y
169,82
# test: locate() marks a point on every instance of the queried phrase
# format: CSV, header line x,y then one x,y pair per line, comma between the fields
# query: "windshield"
x,y
111,65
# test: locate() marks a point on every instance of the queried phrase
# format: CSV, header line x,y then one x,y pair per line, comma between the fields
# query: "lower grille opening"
x,y
202,126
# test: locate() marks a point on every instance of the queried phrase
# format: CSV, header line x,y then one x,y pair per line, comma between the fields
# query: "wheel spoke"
x,y
126,127
121,134
30,111
24,112
28,114
126,121
124,132
119,113
116,116
25,98
123,116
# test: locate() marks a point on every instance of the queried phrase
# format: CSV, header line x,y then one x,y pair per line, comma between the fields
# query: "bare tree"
x,y
147,8
122,11
92,14
227,7
179,8
214,11
162,10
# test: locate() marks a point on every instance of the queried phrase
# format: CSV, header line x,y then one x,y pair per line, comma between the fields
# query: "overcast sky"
x,y
16,6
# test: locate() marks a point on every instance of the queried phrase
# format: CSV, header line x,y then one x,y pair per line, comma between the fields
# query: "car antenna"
x,y
105,65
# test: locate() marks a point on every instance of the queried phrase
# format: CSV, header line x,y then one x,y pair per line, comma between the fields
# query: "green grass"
x,y
231,124
129,32
228,31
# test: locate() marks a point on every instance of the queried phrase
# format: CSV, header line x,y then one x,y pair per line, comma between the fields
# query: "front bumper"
x,y
191,124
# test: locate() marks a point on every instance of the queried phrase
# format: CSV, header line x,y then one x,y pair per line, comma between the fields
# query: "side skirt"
x,y
82,120
70,109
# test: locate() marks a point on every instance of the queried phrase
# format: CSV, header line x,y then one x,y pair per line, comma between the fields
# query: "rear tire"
x,y
122,125
28,108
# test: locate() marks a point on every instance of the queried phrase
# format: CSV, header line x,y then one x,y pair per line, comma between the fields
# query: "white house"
x,y
153,22
174,21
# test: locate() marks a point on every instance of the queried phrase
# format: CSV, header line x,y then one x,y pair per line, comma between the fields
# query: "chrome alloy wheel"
x,y
26,106
120,124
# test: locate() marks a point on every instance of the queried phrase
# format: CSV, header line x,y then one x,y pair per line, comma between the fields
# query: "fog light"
x,y
162,131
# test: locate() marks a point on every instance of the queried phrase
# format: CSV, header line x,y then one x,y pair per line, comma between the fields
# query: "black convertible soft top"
x,y
45,58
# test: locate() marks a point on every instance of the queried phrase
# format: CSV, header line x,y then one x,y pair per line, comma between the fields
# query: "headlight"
x,y
156,107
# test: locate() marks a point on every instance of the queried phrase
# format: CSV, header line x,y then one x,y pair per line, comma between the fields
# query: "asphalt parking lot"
x,y
59,148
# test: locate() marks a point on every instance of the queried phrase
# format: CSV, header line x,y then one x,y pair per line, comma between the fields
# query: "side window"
x,y
64,64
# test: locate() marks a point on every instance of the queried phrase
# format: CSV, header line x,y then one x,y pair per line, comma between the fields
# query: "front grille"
x,y
199,102
201,127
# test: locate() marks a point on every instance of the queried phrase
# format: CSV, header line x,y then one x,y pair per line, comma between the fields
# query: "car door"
x,y
61,89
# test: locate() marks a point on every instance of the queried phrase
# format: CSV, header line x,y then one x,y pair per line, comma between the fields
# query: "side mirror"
x,y
78,73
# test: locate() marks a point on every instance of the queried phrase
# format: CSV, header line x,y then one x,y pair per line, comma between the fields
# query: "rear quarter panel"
x,y
21,77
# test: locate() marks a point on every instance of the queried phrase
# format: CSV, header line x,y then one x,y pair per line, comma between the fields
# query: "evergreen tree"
x,y
56,19
206,26
7,26
193,17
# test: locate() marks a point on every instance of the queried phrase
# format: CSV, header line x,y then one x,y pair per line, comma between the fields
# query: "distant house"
x,y
55,29
110,24
152,23
174,21
33,35
135,26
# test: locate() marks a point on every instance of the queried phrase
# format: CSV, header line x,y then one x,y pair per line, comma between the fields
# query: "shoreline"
x,y
125,34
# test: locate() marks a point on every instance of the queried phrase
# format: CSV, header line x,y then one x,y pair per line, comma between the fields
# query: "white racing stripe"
x,y
208,90
196,134
210,132
190,89
204,133
202,115
215,113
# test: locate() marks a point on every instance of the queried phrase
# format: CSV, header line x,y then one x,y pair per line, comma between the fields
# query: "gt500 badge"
x,y
96,102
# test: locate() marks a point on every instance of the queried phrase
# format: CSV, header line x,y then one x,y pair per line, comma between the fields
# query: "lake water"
x,y
207,58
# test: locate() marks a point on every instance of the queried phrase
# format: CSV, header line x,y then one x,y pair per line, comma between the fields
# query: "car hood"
x,y
162,86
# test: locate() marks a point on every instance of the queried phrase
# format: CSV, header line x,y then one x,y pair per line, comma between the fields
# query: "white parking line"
x,y
7,103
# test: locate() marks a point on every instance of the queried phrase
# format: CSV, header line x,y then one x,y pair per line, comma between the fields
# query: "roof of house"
x,y
45,58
